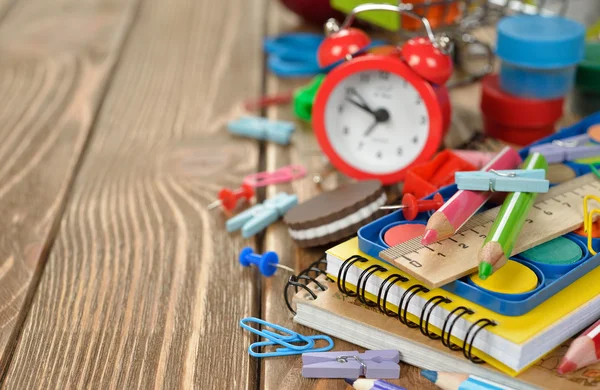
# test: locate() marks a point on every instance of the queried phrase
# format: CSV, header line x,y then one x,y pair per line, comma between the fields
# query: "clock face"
x,y
376,121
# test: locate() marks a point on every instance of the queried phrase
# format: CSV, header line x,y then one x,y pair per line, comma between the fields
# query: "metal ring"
x,y
343,272
485,322
413,290
396,278
369,271
311,279
446,340
405,9
438,299
293,281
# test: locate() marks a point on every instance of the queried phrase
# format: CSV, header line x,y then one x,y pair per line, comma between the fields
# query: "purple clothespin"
x,y
567,149
351,364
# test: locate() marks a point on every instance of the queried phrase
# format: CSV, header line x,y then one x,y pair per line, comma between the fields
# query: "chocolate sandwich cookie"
x,y
335,215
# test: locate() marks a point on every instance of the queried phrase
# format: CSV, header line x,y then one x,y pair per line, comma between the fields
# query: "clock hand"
x,y
381,115
370,129
361,101
361,106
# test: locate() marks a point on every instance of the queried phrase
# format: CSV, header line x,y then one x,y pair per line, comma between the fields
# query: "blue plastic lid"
x,y
545,42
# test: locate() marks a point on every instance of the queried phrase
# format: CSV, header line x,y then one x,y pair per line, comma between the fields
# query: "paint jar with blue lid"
x,y
539,55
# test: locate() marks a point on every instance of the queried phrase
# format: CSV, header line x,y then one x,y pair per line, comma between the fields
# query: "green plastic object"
x,y
588,71
388,20
305,96
560,251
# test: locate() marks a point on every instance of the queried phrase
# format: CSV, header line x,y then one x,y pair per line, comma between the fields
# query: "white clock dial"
x,y
376,121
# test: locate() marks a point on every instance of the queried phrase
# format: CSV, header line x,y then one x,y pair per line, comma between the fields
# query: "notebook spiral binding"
x,y
304,277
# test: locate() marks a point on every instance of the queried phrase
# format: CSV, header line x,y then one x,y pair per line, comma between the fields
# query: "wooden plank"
x,y
285,373
53,72
142,287
5,6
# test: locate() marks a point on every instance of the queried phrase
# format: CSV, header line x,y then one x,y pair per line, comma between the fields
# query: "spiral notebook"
x,y
329,311
510,344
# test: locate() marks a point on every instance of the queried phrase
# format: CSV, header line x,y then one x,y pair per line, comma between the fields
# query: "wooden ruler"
x,y
555,213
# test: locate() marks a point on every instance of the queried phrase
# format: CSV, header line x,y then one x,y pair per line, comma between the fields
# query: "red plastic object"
x,y
412,206
516,120
228,199
338,45
269,100
423,179
427,60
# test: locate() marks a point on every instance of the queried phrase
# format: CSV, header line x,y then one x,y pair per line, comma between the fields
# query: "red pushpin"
x,y
228,199
411,206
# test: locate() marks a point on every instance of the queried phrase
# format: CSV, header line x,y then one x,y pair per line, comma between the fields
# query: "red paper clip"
x,y
282,175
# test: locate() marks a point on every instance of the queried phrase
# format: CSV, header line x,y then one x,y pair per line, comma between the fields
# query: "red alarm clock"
x,y
380,112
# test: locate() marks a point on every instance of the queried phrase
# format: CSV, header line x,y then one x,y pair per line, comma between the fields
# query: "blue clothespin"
x,y
287,339
258,217
263,129
567,149
516,180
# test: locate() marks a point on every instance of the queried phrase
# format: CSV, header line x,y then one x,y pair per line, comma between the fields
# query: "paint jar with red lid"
x,y
517,120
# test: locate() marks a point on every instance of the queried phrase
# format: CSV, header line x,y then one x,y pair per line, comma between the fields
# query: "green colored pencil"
x,y
503,234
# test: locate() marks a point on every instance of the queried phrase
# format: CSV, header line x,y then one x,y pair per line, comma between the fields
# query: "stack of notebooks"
x,y
527,348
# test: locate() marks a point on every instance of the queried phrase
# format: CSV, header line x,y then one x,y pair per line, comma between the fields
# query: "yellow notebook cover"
x,y
514,329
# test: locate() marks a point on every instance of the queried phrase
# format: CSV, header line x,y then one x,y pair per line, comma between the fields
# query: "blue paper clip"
x,y
258,217
567,149
263,129
286,340
286,351
517,180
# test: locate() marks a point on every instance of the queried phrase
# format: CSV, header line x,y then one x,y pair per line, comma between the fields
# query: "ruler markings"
x,y
449,262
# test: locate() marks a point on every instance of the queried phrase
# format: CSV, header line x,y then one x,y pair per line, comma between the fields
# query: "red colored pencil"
x,y
584,350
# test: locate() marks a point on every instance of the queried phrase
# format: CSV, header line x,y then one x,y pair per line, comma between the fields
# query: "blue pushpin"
x,y
267,263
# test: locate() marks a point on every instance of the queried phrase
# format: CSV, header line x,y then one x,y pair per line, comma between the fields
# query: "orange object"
x,y
402,233
595,230
423,179
437,15
594,132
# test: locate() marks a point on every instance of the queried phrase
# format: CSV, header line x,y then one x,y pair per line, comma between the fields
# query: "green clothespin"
x,y
305,96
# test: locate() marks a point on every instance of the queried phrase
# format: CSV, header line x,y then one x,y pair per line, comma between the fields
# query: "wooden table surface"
x,y
113,274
